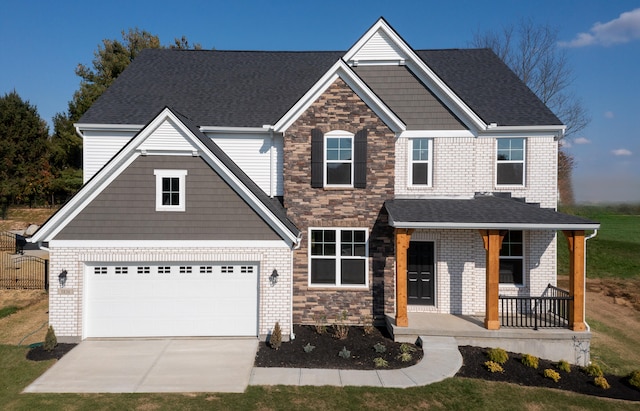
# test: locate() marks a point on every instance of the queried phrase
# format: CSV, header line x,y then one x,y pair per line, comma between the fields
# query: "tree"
x,y
532,52
25,174
110,59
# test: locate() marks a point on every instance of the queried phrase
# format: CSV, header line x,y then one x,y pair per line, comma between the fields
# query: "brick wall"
x,y
339,108
65,310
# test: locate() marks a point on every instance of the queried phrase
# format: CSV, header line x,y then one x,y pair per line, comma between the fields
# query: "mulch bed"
x,y
325,354
40,354
517,373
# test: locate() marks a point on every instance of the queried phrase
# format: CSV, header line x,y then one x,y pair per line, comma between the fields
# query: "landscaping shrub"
x,y
367,325
552,374
498,355
344,353
308,348
276,337
564,366
320,323
380,362
530,361
380,348
634,379
593,370
340,328
601,382
50,340
493,366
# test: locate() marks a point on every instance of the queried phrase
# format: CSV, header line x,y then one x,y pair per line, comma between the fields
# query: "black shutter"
x,y
360,159
317,158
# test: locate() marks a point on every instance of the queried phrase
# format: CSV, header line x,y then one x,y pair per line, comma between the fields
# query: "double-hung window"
x,y
512,259
338,257
510,161
420,167
170,190
338,159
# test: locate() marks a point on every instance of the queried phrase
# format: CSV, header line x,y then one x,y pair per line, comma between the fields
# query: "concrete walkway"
x,y
441,360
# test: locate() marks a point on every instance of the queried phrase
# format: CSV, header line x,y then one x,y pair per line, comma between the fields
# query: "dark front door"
x,y
420,276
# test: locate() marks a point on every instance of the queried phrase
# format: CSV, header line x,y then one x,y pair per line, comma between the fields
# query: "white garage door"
x,y
159,300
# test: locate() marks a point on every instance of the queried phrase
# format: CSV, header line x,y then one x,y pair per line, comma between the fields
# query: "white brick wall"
x,y
65,310
461,274
463,166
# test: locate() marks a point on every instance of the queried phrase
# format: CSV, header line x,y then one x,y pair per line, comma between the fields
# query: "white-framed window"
x,y
510,161
512,258
170,190
338,257
338,159
420,162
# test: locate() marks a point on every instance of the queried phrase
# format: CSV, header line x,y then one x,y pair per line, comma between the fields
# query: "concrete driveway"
x,y
152,365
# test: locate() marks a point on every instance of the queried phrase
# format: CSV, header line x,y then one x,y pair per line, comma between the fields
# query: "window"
x,y
170,190
420,167
510,161
206,269
144,270
338,257
246,269
164,270
512,259
122,270
338,159
99,270
186,269
226,269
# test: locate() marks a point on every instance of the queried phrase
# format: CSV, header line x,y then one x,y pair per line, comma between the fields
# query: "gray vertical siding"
x,y
126,209
416,105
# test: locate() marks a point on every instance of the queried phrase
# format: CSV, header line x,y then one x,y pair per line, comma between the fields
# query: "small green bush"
x,y
564,366
405,356
344,353
320,323
552,374
367,325
50,340
498,355
601,382
407,348
308,348
493,366
593,370
340,328
380,348
530,361
275,341
634,379
380,362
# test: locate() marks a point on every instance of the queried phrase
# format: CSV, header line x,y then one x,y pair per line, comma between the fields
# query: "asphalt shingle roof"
x,y
487,211
254,88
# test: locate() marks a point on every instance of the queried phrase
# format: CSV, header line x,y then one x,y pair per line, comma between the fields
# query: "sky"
x,y
43,41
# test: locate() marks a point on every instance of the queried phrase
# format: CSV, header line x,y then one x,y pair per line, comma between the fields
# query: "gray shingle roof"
x,y
483,211
254,88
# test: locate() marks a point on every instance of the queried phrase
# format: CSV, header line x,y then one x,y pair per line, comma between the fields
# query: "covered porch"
x,y
491,217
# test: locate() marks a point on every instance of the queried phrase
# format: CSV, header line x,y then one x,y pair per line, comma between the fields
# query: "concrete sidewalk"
x,y
441,360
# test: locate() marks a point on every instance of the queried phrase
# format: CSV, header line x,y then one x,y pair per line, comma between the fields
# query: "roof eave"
x,y
491,226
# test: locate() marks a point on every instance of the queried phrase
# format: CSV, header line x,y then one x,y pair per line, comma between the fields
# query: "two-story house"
x,y
226,191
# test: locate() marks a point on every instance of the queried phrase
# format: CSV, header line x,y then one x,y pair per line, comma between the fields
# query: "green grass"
x,y
7,311
452,394
612,360
615,251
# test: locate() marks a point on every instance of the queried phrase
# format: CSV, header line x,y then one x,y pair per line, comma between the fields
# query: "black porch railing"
x,y
551,310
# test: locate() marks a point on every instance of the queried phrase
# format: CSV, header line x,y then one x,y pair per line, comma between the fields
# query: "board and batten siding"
x,y
257,156
98,147
126,209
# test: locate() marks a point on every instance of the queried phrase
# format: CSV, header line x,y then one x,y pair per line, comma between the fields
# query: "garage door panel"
x,y
219,300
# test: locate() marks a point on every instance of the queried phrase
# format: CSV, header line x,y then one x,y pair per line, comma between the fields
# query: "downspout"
x,y
271,168
584,292
296,246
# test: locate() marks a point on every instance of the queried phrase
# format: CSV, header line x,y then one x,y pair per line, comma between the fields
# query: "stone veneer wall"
x,y
339,108
65,310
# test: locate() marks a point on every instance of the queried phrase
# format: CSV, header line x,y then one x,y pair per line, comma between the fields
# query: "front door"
x,y
420,276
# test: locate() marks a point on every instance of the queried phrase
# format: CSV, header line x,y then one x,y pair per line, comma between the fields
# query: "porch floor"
x,y
550,343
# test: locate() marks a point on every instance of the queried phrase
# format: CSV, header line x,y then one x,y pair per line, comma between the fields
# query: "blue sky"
x,y
43,41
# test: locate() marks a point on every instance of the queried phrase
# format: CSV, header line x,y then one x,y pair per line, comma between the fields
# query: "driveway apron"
x,y
152,365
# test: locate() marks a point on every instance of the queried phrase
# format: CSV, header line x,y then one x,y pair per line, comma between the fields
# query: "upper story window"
x,y
420,167
170,190
338,159
512,259
510,161
338,257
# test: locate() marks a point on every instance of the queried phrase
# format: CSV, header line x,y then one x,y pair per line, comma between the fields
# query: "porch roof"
x,y
481,212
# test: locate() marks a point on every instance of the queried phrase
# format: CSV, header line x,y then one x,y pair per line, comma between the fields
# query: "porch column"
x,y
403,238
576,242
492,244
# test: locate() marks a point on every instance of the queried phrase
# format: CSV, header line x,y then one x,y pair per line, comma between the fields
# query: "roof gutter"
x,y
490,226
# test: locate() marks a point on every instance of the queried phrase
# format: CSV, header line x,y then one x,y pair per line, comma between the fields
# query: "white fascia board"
x,y
491,226
235,130
436,133
196,245
423,72
340,70
108,127
555,131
